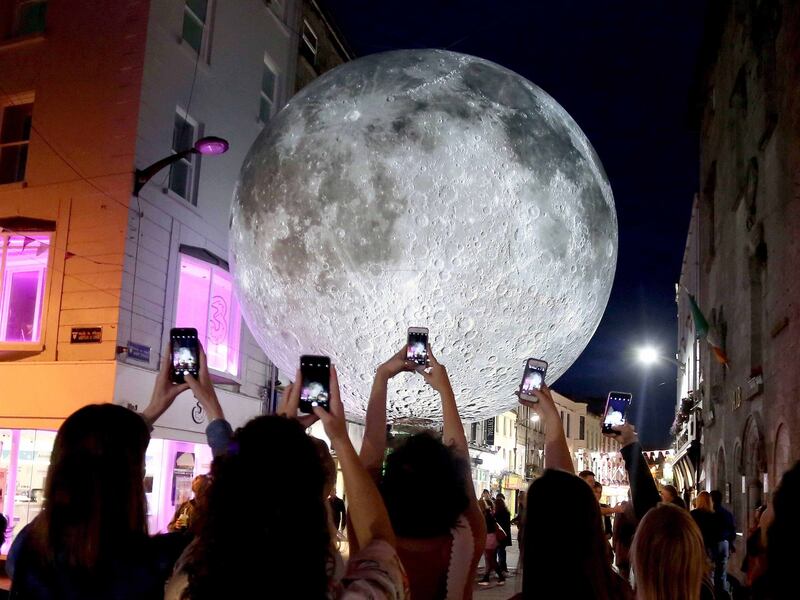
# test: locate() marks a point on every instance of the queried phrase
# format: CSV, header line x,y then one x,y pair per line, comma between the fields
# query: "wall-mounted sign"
x,y
86,335
139,352
490,431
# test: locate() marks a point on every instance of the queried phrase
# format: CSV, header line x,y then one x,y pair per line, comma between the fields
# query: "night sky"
x,y
623,70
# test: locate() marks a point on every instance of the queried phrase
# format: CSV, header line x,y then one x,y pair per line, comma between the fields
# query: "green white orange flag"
x,y
702,330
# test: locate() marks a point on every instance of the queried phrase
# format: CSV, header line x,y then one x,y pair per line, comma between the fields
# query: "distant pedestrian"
x,y
725,546
588,477
185,517
622,537
707,521
503,518
490,550
598,493
670,495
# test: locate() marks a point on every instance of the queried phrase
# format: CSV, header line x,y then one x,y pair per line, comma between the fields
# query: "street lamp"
x,y
209,145
649,355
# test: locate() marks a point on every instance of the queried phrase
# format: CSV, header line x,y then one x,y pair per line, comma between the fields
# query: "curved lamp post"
x,y
209,145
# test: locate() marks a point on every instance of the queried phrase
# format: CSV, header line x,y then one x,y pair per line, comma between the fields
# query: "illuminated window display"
x,y
24,460
206,302
23,268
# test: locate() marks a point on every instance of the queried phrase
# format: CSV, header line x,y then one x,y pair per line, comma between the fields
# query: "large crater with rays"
x,y
427,188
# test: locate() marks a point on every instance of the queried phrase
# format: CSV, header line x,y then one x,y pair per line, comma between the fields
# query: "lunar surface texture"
x,y
424,188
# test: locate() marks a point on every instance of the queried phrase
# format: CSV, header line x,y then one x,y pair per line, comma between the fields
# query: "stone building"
x,y
748,111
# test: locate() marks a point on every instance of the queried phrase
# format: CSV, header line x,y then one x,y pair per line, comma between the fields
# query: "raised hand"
x,y
436,374
164,391
333,421
203,389
546,406
624,434
290,402
396,365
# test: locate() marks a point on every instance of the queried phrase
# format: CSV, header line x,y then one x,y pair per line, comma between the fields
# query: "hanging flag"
x,y
26,240
702,330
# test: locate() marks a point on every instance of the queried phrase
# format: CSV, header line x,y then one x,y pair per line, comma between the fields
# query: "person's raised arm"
x,y
373,446
644,492
453,435
164,392
366,510
218,430
556,451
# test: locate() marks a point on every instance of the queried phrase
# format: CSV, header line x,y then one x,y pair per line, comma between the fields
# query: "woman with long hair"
x,y
492,543
709,524
503,518
564,549
90,541
284,548
668,555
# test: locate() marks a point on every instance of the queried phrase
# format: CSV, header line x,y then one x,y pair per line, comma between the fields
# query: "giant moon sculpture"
x,y
426,188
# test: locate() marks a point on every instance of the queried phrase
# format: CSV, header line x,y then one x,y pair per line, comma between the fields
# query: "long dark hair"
x,y
252,536
783,555
423,462
564,549
95,507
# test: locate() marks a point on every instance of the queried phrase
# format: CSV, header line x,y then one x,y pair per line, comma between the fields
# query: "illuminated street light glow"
x,y
647,355
534,418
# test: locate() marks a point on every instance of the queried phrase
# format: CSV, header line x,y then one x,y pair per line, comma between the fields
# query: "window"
x,y
23,266
308,44
19,18
582,428
182,177
268,89
195,17
568,415
207,303
15,135
473,432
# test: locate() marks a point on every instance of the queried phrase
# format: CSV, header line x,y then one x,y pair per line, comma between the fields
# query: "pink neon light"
x,y
206,302
22,287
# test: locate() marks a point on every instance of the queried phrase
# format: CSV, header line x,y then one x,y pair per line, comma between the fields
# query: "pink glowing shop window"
x,y
23,268
206,302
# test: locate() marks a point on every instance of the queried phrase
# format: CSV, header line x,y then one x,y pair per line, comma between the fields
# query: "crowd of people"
x,y
91,539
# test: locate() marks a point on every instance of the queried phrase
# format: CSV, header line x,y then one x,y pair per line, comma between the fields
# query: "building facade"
x,y
92,275
749,215
322,47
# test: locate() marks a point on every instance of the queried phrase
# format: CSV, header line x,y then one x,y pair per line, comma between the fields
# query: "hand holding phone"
x,y
616,410
315,387
185,353
417,347
532,379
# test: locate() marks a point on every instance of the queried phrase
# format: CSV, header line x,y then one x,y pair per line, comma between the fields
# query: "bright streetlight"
x,y
534,418
647,355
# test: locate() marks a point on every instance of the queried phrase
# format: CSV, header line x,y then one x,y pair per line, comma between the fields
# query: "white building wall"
x,y
221,92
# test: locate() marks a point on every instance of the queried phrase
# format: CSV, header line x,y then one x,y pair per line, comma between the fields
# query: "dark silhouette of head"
x,y
587,476
500,505
421,464
716,498
275,540
95,508
669,493
564,548
783,552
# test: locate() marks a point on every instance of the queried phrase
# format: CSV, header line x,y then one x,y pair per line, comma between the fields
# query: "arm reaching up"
x,y
367,513
556,451
453,435
644,492
373,446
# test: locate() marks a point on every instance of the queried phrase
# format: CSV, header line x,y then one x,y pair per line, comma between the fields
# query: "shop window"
x,y
20,18
15,135
182,174
269,81
23,278
206,302
582,428
24,461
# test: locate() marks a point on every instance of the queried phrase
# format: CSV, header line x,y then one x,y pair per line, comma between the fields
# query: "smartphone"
x,y
316,385
417,348
532,378
185,353
616,409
